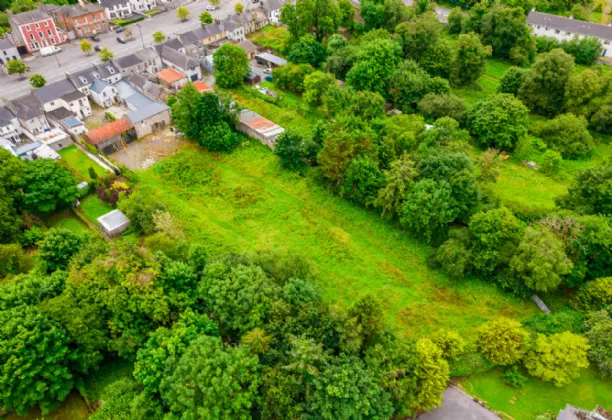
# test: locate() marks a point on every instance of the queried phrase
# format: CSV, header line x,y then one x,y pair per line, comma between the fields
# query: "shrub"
x,y
512,376
595,294
469,363
557,322
503,341
13,260
551,162
567,134
57,247
434,106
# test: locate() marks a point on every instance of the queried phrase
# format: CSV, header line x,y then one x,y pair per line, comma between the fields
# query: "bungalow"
x,y
256,126
30,114
249,48
103,93
562,28
63,94
10,129
172,79
116,9
83,79
109,137
181,62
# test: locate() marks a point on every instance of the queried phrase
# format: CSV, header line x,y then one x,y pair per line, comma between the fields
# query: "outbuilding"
x,y
113,223
109,137
258,127
269,60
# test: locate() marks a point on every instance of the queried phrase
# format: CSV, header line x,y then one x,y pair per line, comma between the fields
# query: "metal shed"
x,y
114,222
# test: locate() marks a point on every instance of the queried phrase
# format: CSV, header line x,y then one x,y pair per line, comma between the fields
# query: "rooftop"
x,y
99,85
107,131
247,45
5,116
180,60
113,220
52,136
73,96
127,61
271,58
72,122
29,17
54,91
170,75
5,44
202,87
260,124
271,5
97,71
60,114
574,26
26,107
173,43
79,10
146,112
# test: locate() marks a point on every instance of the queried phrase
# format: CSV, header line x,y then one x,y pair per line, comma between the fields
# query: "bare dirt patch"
x,y
146,151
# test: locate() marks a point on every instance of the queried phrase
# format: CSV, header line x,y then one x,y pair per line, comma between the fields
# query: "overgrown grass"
x,y
66,220
487,84
93,207
273,37
536,397
78,160
110,371
72,408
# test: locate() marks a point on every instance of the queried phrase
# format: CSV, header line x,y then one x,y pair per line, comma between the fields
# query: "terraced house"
x,y
35,30
82,20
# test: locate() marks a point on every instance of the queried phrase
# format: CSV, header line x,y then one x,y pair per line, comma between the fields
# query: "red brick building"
x,y
82,20
36,30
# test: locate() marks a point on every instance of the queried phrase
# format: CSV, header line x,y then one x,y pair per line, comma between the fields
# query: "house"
x,y
131,97
562,28
149,88
272,9
269,60
113,223
574,413
82,20
252,20
142,61
8,51
142,6
109,137
153,117
30,114
35,30
172,79
181,62
103,93
151,60
116,9
173,43
83,79
249,48
10,129
55,138
30,151
63,94
208,63
202,87
233,30
192,42
67,121
256,126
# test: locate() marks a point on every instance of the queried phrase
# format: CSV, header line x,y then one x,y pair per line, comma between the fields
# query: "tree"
x,y
20,6
505,30
595,295
158,37
211,380
557,358
454,256
511,81
437,59
13,260
418,35
470,60
290,149
57,247
375,64
125,400
347,389
499,121
599,334
17,66
432,372
584,50
231,65
540,261
86,46
105,54
399,179
35,360
140,210
543,86
601,121
455,21
307,50
215,2
182,13
449,342
37,81
321,18
46,186
291,76
591,191
567,134
488,162
257,340
434,106
503,341
306,359
585,92
315,86
367,105
408,85
369,316
347,14
238,7
206,18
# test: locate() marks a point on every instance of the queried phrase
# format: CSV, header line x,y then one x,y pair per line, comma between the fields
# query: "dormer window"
x,y
83,80
111,70
96,75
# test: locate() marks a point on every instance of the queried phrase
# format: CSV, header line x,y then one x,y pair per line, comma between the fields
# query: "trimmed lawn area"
x,y
93,207
66,220
536,396
78,160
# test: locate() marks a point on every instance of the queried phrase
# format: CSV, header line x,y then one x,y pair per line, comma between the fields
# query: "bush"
x,y
13,260
140,208
567,134
434,106
557,322
512,376
503,341
551,162
469,363
57,247
595,294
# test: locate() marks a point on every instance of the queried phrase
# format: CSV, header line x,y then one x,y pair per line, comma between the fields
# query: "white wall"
x,y
541,30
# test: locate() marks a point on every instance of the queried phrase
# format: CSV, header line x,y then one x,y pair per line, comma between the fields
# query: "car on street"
x,y
95,38
121,39
267,71
97,48
119,29
211,8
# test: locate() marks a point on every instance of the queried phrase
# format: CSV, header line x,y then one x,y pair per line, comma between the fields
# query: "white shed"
x,y
114,222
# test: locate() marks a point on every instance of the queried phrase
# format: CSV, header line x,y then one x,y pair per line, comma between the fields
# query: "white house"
x,y
562,28
142,6
63,94
272,8
116,9
8,51
30,114
10,129
83,79
103,93
181,62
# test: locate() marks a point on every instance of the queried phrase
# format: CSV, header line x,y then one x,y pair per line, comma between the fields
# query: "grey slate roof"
x,y
28,17
271,5
132,96
78,10
73,96
147,112
5,116
191,37
151,89
570,25
54,91
99,85
110,3
102,70
182,61
213,29
127,61
60,114
146,54
5,44
173,43
247,45
26,107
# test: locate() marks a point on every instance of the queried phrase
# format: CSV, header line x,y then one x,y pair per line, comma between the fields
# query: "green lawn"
x,y
273,37
487,83
93,207
78,160
536,396
66,220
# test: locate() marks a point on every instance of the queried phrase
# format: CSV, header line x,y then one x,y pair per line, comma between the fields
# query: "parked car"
x,y
267,71
119,29
97,48
269,79
211,8
95,38
45,51
122,39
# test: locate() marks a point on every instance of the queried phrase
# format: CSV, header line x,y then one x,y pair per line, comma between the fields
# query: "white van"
x,y
45,51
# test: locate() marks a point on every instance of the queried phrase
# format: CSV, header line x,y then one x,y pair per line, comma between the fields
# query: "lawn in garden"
x,y
78,160
93,207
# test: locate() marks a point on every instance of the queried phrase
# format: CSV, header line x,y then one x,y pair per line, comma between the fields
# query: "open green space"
x,y
93,207
270,36
536,397
73,407
78,160
65,219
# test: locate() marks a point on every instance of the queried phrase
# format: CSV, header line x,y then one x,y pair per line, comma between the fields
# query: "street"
x,y
72,59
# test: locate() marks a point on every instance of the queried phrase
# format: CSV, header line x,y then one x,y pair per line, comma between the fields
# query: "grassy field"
x,y
273,37
80,161
66,220
487,84
536,396
93,207
109,372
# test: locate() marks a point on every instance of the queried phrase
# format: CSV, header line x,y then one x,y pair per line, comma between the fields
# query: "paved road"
x,y
456,405
72,59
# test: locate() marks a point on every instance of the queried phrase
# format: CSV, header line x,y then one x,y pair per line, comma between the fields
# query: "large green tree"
x,y
57,247
398,179
375,64
566,134
321,18
470,60
46,186
591,191
315,86
432,371
599,334
362,180
231,65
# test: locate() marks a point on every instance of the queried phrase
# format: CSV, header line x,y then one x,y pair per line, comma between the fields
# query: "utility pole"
x,y
57,59
141,38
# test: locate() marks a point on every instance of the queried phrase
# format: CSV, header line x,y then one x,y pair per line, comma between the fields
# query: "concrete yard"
x,y
142,153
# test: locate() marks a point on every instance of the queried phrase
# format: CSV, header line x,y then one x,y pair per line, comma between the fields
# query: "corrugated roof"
x,y
147,112
107,131
272,58
170,75
260,124
570,25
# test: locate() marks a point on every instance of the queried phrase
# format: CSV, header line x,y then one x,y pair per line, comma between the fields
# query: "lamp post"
x,y
141,38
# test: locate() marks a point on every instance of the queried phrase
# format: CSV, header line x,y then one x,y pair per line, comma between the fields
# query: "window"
x,y
46,23
49,32
37,26
40,35
52,103
96,75
31,37
27,27
557,31
53,41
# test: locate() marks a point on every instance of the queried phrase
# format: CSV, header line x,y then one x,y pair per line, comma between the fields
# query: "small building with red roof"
x,y
109,137
172,79
202,87
258,127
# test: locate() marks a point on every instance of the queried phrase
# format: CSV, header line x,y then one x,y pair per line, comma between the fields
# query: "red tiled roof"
x,y
100,134
170,75
202,87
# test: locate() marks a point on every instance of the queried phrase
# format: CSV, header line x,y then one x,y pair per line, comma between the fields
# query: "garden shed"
x,y
114,222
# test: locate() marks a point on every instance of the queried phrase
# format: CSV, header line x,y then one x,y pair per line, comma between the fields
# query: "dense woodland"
x,y
248,335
